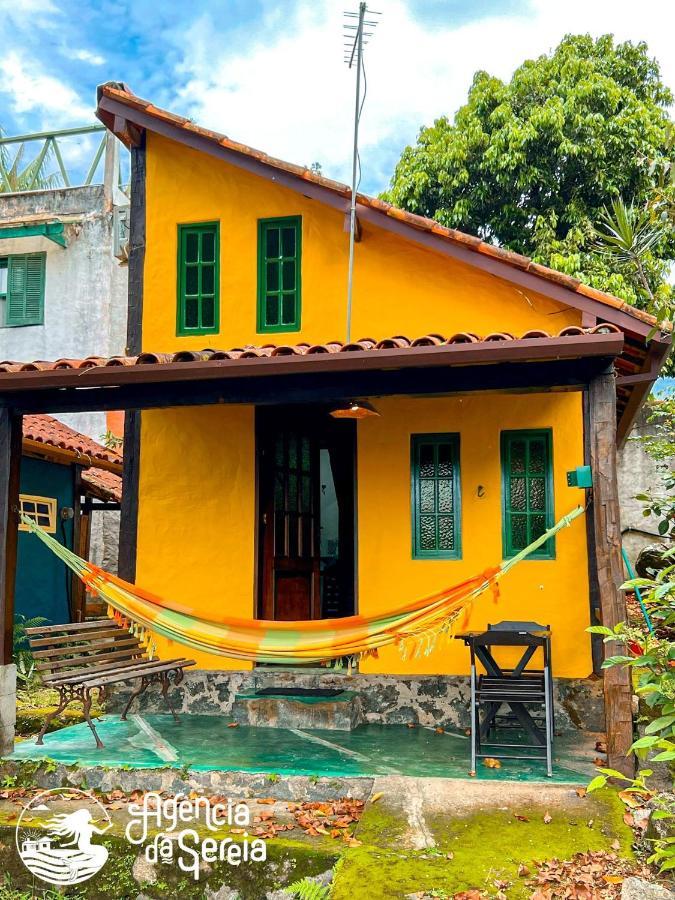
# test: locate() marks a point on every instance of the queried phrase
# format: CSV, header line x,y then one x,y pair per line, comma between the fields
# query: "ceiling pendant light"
x,y
354,409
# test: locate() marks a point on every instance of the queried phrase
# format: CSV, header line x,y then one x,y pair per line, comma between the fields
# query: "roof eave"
x,y
126,115
656,357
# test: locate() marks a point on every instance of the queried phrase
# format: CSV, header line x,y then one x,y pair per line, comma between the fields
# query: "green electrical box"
x,y
580,477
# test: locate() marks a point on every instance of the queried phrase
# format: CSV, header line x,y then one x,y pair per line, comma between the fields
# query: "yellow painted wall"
x,y
197,510
196,513
399,287
197,491
552,592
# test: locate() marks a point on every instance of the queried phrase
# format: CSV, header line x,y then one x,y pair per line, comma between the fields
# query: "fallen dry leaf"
x,y
547,819
520,818
580,791
377,796
492,763
233,724
523,871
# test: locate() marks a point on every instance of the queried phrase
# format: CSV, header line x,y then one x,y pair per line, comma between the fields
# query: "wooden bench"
x,y
83,657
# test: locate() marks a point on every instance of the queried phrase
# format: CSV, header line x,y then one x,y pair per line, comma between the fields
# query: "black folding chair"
x,y
526,692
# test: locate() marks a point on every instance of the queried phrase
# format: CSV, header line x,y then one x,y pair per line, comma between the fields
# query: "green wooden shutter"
x,y
279,273
198,305
435,496
527,491
26,290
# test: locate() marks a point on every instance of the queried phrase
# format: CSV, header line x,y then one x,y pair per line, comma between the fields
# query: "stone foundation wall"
x,y
438,700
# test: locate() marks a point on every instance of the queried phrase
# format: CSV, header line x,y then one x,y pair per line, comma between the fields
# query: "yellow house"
x,y
492,378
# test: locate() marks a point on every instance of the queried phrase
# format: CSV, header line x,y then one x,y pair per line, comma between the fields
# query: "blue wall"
x,y
41,585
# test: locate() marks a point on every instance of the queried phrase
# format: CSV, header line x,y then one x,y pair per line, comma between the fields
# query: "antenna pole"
x,y
358,46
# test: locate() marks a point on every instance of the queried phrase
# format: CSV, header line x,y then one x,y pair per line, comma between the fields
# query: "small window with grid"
x,y
198,287
42,510
279,265
527,491
435,496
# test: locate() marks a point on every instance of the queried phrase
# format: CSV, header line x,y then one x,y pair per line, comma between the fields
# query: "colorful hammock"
x,y
413,628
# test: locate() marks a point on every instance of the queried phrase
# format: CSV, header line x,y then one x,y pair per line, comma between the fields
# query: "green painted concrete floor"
x,y
205,743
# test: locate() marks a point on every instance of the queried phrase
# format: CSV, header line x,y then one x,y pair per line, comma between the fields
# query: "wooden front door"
x,y
305,514
289,484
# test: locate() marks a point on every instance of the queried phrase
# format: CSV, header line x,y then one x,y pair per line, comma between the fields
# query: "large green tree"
x,y
536,165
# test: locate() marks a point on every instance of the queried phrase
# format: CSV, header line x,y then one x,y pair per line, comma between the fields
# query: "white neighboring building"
x,y
63,290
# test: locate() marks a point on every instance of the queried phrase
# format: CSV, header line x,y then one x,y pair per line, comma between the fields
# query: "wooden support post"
x,y
10,461
606,516
81,539
132,417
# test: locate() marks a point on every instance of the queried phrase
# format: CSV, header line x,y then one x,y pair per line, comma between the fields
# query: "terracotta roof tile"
x,y
47,430
123,95
102,484
398,341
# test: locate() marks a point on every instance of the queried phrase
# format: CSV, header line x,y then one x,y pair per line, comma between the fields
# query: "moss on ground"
x,y
33,707
475,851
287,861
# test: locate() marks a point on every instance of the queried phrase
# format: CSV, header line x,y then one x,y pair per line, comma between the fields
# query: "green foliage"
x,y
308,889
16,176
535,164
23,658
653,658
627,236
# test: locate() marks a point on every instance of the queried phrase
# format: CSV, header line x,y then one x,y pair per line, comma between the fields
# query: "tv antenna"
x,y
357,31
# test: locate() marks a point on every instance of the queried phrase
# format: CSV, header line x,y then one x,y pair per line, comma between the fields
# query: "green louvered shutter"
x,y
26,289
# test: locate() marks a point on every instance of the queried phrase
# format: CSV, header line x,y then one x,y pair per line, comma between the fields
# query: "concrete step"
x,y
298,708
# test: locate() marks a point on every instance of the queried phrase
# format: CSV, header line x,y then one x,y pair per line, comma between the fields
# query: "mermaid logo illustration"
x,y
60,850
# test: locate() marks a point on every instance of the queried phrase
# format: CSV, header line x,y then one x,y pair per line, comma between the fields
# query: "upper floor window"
x,y
279,264
198,279
22,289
527,491
435,496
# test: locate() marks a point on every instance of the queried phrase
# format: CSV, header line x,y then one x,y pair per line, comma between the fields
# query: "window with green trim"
x,y
527,491
198,278
22,289
279,264
436,511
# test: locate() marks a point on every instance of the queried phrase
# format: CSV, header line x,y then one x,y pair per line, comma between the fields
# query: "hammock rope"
x,y
414,628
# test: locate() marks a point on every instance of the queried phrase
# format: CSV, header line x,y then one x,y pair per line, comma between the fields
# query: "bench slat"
x,y
58,640
124,672
118,644
72,627
75,661
148,669
72,676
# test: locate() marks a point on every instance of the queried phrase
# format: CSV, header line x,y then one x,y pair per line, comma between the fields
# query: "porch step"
x,y
296,707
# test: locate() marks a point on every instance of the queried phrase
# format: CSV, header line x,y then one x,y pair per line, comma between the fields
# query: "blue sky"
x,y
271,74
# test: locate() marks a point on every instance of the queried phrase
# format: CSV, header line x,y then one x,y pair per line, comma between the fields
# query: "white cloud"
x,y
289,93
29,90
94,59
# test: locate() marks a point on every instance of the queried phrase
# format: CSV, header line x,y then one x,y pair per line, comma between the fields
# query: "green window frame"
x,y
198,279
436,496
24,294
279,274
527,491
